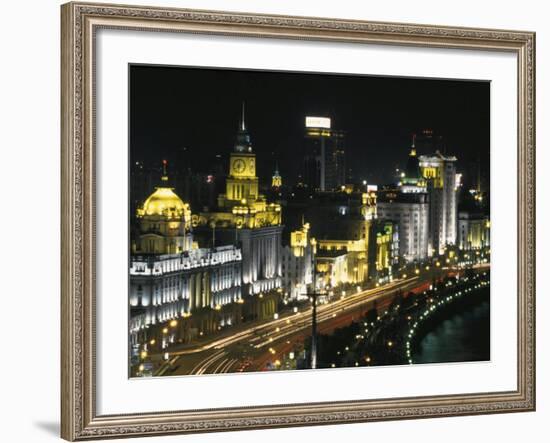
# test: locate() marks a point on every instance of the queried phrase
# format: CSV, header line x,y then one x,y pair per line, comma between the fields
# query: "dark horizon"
x,y
199,109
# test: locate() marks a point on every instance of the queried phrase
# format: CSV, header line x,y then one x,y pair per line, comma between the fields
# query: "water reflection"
x,y
463,337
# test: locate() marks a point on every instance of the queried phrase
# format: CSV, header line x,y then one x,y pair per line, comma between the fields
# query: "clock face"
x,y
251,164
238,165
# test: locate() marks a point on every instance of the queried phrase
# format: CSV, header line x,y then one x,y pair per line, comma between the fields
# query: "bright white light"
x,y
318,122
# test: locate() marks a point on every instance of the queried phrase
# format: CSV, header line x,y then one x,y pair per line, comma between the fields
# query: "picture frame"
x,y
80,23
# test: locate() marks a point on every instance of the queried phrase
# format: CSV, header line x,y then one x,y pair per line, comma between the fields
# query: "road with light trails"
x,y
225,354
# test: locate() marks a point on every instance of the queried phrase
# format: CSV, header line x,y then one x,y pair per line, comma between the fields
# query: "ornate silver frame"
x,y
79,420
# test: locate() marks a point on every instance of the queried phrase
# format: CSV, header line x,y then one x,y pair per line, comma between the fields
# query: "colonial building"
x,y
387,249
407,204
164,222
343,221
356,257
345,227
166,287
172,278
410,212
244,217
474,230
332,266
298,258
439,171
357,262
411,180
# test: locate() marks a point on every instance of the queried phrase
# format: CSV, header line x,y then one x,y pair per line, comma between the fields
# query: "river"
x,y
463,337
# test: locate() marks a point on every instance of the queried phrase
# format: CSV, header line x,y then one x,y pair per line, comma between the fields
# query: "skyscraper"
x,y
324,166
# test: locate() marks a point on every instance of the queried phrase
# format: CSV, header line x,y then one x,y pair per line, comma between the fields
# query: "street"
x,y
252,347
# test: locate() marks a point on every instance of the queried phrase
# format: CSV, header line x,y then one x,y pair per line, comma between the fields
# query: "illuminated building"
x,y
172,278
411,180
387,249
341,215
164,222
407,205
332,267
244,217
324,155
276,180
474,230
355,255
166,287
346,232
297,263
356,262
410,212
439,171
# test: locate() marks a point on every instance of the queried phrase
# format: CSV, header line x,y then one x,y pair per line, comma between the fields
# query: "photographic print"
x,y
290,220
273,200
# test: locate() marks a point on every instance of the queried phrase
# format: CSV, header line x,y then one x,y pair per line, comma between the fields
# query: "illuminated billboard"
x,y
318,122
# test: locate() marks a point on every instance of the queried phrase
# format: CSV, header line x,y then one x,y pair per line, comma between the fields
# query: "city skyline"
x,y
244,258
378,118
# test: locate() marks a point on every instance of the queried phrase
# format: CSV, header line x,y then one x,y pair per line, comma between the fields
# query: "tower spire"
x,y
243,124
413,147
164,177
276,180
243,143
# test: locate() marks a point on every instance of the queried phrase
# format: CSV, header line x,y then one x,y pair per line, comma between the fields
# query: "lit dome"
x,y
164,201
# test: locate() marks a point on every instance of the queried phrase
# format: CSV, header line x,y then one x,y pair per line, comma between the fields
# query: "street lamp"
x,y
313,296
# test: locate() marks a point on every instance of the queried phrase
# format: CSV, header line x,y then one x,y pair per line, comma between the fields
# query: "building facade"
x,y
410,212
387,250
332,268
245,218
356,257
474,229
298,260
168,286
439,171
171,278
407,205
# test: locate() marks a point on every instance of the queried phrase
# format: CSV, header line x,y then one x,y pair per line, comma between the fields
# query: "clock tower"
x,y
245,218
242,182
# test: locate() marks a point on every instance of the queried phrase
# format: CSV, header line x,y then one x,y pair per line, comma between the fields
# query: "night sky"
x,y
199,109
